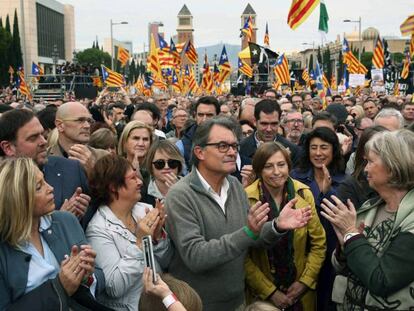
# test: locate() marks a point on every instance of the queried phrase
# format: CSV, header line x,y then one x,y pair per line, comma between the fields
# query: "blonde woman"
x,y
44,256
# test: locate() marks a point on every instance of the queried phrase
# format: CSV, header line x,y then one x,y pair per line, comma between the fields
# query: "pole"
x,y
23,39
360,39
112,48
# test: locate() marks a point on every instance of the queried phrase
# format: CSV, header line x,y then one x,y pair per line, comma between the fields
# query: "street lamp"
x,y
112,41
359,37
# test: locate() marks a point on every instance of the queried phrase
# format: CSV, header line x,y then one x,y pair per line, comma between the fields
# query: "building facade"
x,y
47,30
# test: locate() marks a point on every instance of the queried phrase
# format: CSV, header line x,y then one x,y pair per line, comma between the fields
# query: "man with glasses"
x,y
267,114
297,101
73,122
294,126
210,222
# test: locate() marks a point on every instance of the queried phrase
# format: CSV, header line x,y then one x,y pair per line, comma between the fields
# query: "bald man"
x,y
73,122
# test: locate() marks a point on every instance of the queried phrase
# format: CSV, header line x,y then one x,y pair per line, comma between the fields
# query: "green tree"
x,y
1,22
366,59
93,45
5,43
397,57
93,57
17,57
132,71
7,27
327,63
319,55
341,66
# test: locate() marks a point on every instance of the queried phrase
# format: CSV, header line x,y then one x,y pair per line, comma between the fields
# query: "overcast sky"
x,y
217,21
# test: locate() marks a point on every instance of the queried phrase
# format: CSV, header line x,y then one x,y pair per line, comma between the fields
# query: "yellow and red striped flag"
x,y
139,85
266,39
153,62
23,87
299,12
306,76
334,85
407,27
247,30
412,47
282,70
112,78
325,82
175,83
225,68
396,88
378,56
123,56
349,59
96,81
191,53
207,83
190,79
245,68
276,85
406,68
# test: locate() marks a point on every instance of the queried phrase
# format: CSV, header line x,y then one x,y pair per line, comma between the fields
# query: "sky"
x,y
218,21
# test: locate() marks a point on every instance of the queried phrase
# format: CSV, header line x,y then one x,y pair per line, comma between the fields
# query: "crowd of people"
x,y
276,202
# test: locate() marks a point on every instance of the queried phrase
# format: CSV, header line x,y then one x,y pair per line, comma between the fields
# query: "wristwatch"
x,y
350,235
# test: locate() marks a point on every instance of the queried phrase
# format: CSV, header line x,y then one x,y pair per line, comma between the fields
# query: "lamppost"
x,y
359,36
112,41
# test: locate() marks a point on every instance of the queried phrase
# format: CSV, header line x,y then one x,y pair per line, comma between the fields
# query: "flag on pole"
x,y
245,68
412,46
299,12
224,64
353,64
36,70
407,27
175,82
23,87
207,80
123,56
153,63
247,30
112,78
189,77
323,18
163,44
282,70
334,85
306,77
319,83
174,53
191,53
378,56
325,80
396,88
266,40
216,73
406,68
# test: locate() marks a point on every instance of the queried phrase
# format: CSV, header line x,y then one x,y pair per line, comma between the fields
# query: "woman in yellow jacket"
x,y
287,273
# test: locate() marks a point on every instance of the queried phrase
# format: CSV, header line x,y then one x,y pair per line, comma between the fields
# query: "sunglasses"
x,y
160,164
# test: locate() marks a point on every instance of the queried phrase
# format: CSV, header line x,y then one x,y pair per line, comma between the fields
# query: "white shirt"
x,y
221,197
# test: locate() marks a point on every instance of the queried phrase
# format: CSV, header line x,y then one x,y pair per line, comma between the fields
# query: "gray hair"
x,y
396,151
390,112
202,134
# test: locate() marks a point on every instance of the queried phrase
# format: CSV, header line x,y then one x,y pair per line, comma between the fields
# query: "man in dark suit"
x,y
21,136
267,114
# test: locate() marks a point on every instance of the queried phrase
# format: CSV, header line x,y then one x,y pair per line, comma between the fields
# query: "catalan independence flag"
x,y
299,12
378,55
123,56
224,64
37,70
163,44
306,76
23,87
245,68
282,70
174,54
412,46
191,53
349,59
406,67
247,30
112,78
153,62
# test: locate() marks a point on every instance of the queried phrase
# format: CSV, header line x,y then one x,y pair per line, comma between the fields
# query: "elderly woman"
x,y
117,229
164,163
377,243
287,274
45,262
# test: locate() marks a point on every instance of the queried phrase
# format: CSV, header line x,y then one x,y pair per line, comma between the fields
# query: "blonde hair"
x,y
127,131
18,176
261,306
52,139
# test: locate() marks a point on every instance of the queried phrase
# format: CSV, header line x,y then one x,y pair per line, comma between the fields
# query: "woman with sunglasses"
x,y
164,163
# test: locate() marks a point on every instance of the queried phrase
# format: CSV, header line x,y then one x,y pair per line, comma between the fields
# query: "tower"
x,y
185,25
248,11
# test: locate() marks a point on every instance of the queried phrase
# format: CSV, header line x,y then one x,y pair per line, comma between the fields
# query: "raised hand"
x,y
161,208
170,179
290,218
248,175
77,204
257,216
327,180
83,155
71,273
341,216
147,225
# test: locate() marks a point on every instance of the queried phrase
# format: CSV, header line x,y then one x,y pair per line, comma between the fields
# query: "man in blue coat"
x,y
21,135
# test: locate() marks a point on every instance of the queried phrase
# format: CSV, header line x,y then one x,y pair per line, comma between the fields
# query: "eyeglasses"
x,y
160,164
80,120
224,147
300,121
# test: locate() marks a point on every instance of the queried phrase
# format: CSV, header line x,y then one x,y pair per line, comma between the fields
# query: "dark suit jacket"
x,y
248,147
64,175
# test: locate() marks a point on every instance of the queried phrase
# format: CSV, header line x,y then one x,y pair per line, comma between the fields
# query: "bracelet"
x,y
250,233
169,300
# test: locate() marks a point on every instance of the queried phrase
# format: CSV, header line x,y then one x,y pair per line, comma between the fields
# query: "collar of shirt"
x,y
258,141
221,197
